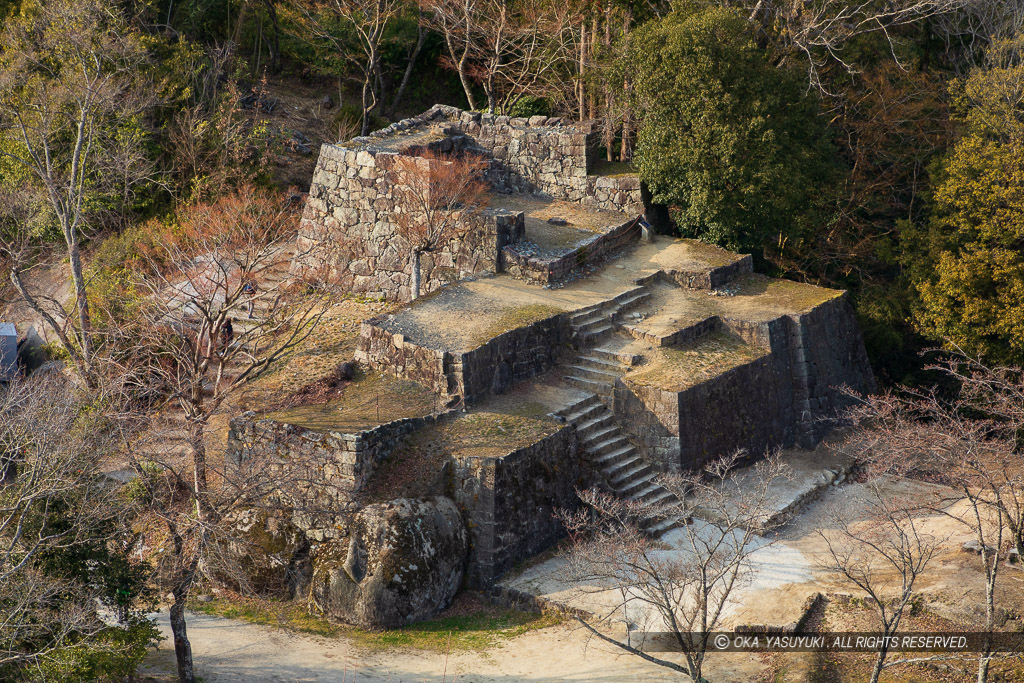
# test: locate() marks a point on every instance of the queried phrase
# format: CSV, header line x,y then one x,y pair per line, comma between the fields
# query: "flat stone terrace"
x,y
464,316
546,239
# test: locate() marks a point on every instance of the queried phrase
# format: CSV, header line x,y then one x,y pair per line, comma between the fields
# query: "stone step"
x,y
653,493
657,495
595,374
637,472
629,487
591,326
597,334
585,413
622,454
615,471
598,363
611,356
594,424
598,388
606,446
581,316
601,435
634,299
656,527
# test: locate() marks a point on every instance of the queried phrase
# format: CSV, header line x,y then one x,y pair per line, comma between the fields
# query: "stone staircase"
x,y
594,370
620,465
594,323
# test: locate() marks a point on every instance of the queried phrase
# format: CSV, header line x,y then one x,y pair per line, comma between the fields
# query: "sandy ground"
x,y
227,650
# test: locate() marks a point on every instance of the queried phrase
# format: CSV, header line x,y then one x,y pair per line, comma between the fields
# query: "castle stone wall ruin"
x,y
490,368
788,397
782,387
511,501
352,200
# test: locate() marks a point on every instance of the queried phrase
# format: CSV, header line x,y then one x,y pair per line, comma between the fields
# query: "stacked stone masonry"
x,y
511,502
490,368
348,231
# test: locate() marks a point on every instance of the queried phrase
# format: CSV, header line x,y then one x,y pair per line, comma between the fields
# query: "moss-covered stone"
x,y
401,562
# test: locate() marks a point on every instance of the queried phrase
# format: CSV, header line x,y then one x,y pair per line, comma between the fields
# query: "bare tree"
x,y
820,31
968,442
438,202
869,553
509,48
687,588
369,20
68,80
55,440
219,310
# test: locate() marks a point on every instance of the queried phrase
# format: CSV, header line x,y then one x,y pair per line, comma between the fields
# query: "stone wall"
x,y
789,396
748,407
491,368
650,416
510,357
510,502
546,155
704,279
393,353
323,469
826,354
349,223
548,271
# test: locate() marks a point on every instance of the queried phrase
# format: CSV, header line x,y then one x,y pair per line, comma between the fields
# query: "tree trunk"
x,y
196,426
624,151
583,68
275,41
609,125
81,300
876,672
422,35
182,648
414,288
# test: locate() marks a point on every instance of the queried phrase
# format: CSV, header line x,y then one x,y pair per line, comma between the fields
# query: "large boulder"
x,y
265,554
402,562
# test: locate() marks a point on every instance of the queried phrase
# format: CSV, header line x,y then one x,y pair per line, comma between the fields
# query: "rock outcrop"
x,y
402,561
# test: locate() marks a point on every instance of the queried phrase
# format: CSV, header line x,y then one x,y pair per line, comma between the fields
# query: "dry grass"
x,y
370,400
784,294
681,367
486,433
612,169
511,318
470,624
542,208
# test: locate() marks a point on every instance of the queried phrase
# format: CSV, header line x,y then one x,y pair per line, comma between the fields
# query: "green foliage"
x,y
529,105
971,278
732,142
113,654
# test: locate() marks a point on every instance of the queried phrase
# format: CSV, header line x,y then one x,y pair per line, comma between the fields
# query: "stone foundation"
x,y
546,272
328,467
788,397
510,502
491,368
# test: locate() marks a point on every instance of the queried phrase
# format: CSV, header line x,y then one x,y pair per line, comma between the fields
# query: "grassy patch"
x,y
484,433
477,631
468,625
612,169
785,294
290,615
680,367
514,317
710,254
370,400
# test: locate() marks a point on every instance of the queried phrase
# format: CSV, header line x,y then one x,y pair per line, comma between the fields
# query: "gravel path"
x,y
226,650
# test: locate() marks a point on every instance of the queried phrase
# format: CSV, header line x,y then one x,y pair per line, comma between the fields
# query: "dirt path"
x,y
228,650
